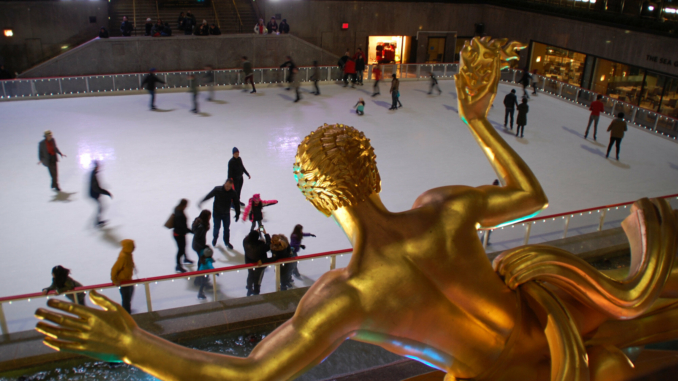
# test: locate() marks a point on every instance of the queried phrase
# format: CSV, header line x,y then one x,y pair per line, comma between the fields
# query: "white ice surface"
x,y
152,159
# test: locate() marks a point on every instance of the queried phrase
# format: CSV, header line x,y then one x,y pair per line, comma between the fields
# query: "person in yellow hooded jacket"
x,y
122,271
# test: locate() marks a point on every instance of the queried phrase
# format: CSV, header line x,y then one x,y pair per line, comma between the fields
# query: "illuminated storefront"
x,y
556,63
388,49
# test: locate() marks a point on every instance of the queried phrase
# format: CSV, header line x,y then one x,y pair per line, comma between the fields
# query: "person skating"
x,y
224,197
150,82
510,102
525,81
296,238
122,271
360,107
280,249
193,89
434,84
253,210
62,282
616,129
95,192
255,253
249,73
200,227
209,80
47,156
235,171
359,58
395,84
180,226
535,81
296,83
289,64
376,71
315,77
349,72
523,109
596,108
204,263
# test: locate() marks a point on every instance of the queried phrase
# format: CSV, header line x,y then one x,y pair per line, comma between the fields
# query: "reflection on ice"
x,y
88,153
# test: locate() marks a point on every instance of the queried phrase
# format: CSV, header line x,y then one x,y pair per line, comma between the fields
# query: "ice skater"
x,y
150,81
253,210
209,80
296,237
616,129
535,81
224,197
122,271
204,263
235,171
296,83
62,282
289,64
376,71
596,108
200,227
434,84
47,156
360,107
315,77
523,109
395,84
525,81
193,89
349,72
359,58
180,226
95,192
255,253
249,74
510,101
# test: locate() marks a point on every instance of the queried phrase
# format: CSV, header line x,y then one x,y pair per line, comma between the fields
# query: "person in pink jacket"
x,y
253,210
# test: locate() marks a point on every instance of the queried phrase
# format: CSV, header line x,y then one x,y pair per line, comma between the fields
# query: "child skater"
x,y
434,84
360,107
253,210
205,263
296,237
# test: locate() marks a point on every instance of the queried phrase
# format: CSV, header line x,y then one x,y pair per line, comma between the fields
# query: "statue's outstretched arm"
x,y
480,69
318,327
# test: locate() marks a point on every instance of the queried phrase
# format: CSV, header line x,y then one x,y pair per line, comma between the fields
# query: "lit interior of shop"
x,y
388,49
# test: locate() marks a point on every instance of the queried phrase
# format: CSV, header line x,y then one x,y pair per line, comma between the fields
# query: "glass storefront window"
x,y
652,91
557,63
618,81
669,106
386,49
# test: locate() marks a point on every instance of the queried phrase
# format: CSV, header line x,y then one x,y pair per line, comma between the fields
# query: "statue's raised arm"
x,y
520,195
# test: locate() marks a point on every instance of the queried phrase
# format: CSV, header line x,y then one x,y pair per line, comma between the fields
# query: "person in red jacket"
x,y
349,72
377,77
596,108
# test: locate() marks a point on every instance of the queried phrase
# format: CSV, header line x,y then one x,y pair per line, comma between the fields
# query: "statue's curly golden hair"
x,y
335,167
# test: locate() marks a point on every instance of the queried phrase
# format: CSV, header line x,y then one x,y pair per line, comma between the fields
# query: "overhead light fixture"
x,y
538,59
8,32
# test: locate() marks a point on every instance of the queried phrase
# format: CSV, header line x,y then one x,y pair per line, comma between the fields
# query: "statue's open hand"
x,y
480,64
102,334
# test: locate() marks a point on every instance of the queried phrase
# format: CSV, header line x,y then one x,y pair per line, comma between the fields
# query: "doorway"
x,y
435,50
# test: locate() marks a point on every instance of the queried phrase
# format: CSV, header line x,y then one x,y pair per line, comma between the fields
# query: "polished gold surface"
x,y
419,283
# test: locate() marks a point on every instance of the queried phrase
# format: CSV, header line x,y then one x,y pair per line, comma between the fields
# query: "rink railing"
x,y
641,117
534,230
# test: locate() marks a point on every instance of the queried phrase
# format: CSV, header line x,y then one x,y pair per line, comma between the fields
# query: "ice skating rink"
x,y
150,160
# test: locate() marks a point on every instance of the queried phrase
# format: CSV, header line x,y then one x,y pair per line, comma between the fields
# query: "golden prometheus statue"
x,y
419,283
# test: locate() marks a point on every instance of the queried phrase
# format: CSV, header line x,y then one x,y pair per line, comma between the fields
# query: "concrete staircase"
x,y
225,10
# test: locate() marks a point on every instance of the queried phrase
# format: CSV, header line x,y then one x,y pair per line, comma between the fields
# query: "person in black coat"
x,y
214,30
150,82
103,33
272,26
126,27
149,27
180,225
280,249
289,64
95,192
224,198
235,171
255,253
510,101
523,109
180,21
166,30
200,227
47,156
284,27
525,81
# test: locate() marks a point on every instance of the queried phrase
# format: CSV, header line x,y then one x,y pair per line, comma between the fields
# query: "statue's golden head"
x,y
336,167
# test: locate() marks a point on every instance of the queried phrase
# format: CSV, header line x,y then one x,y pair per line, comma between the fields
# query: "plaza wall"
x,y
138,54
320,22
42,28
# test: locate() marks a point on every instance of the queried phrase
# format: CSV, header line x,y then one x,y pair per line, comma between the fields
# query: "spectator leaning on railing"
x,y
260,28
272,26
103,33
149,27
214,30
126,27
284,27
